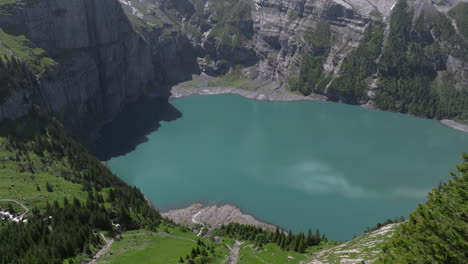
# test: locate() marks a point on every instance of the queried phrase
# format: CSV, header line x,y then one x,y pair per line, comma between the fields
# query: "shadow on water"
x,y
132,125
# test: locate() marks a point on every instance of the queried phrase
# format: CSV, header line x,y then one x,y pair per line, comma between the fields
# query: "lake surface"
x,y
335,167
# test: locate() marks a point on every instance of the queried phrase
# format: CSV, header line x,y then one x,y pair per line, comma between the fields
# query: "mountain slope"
x,y
91,58
437,231
407,56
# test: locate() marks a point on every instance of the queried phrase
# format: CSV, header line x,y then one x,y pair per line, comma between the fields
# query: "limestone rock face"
x,y
103,62
269,37
110,52
280,27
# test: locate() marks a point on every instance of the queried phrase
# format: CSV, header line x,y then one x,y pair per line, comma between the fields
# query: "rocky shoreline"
x,y
267,92
253,89
213,216
455,125
261,95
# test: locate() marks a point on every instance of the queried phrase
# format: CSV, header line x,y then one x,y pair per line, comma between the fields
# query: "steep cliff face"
x,y
102,61
346,50
97,55
267,34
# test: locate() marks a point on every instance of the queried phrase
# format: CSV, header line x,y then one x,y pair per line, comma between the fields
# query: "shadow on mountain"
x,y
132,125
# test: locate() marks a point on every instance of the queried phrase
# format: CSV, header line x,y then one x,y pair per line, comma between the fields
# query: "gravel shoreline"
x,y
455,125
279,94
214,216
260,94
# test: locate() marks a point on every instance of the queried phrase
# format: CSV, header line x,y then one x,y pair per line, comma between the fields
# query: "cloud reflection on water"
x,y
319,178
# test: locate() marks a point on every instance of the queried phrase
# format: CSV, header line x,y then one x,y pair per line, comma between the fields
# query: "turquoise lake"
x,y
336,167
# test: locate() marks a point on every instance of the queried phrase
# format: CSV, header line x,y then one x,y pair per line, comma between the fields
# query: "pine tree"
x,y
302,246
276,236
310,238
296,243
317,237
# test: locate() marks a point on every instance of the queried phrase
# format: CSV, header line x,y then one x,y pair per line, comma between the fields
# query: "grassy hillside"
x,y
363,249
70,195
168,245
20,47
270,253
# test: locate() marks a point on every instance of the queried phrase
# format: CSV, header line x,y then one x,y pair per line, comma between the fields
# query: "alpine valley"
x,y
96,139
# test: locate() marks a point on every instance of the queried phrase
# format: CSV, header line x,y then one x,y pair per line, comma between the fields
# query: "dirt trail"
x,y
26,209
234,253
103,250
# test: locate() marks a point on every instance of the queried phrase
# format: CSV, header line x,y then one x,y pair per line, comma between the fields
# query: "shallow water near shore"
x,y
335,167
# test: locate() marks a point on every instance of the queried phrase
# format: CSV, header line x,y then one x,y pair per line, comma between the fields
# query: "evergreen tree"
x,y
302,246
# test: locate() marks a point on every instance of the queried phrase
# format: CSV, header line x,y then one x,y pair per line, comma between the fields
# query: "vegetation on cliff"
x,y
437,231
352,84
19,46
412,64
408,71
311,78
14,74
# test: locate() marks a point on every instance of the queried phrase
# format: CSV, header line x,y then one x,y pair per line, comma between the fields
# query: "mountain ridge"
x,y
92,57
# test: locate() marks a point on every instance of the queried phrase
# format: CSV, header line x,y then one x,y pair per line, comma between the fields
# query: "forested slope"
x,y
437,231
69,193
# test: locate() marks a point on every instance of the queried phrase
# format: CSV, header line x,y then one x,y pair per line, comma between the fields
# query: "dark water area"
x,y
132,125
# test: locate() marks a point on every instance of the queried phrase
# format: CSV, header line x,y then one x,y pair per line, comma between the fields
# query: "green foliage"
x,y
5,6
437,232
233,78
351,86
39,145
319,38
202,253
14,74
260,237
231,19
311,78
54,235
143,246
409,64
310,75
20,47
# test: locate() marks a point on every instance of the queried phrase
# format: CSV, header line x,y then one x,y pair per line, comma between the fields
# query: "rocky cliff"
x,y
92,57
101,61
349,51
